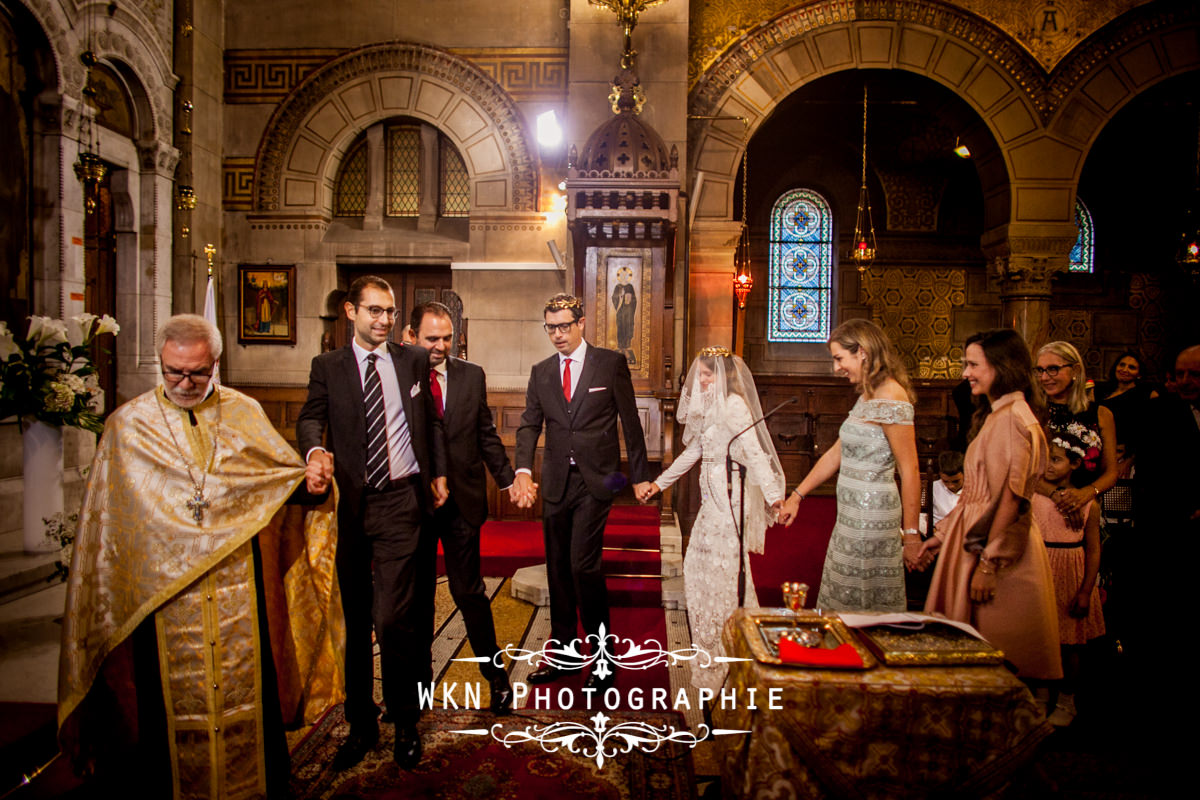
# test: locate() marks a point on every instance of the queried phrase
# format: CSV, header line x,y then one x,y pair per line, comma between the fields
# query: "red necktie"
x,y
435,386
567,380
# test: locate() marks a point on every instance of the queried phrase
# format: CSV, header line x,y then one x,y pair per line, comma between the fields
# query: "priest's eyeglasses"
x,y
561,327
196,377
1051,370
378,311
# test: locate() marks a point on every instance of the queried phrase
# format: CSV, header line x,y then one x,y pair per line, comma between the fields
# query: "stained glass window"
x,y
801,268
350,190
455,184
1083,253
403,145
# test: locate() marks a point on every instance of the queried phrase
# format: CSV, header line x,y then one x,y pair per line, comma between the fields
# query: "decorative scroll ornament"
x,y
570,657
600,741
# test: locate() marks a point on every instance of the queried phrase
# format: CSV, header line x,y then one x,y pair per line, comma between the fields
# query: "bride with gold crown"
x,y
719,400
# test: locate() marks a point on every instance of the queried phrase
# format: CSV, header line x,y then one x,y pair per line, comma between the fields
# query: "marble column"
x,y
1022,268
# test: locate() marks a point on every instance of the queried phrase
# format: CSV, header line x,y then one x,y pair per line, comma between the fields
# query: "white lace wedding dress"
x,y
710,564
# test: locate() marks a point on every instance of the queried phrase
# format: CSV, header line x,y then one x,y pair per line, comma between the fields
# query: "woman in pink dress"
x,y
993,571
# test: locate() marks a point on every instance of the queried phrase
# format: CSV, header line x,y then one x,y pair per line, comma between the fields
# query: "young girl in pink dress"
x,y
1074,558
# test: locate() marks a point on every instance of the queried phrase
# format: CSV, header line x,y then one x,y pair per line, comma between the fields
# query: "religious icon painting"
x,y
623,292
266,304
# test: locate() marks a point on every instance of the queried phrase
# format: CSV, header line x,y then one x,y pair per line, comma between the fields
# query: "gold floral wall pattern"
x,y
915,308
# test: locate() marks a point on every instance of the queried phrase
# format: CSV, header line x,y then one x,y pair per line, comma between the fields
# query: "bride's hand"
x,y
788,510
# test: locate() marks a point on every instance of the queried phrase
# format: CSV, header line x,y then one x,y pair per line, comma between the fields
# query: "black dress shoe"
x,y
548,674
594,681
502,694
408,746
361,741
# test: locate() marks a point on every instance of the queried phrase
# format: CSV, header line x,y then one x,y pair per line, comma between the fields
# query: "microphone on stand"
x,y
741,519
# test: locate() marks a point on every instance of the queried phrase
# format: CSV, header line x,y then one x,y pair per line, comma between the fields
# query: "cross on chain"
x,y
197,505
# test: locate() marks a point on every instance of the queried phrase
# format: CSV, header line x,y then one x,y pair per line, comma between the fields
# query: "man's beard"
x,y
186,399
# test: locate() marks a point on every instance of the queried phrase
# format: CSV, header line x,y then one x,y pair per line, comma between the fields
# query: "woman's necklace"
x,y
197,503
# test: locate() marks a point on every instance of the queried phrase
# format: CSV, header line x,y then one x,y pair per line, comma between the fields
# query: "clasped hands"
x,y
523,490
318,475
919,555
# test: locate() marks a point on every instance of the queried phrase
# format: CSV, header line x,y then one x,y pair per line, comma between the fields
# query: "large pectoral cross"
x,y
196,505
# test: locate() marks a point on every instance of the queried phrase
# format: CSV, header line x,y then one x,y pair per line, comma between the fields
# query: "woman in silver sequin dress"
x,y
868,553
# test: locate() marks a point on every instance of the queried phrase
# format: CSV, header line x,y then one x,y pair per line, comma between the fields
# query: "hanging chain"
x,y
864,148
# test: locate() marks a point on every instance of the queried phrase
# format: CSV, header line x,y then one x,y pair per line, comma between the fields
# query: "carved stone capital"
x,y
159,157
1021,276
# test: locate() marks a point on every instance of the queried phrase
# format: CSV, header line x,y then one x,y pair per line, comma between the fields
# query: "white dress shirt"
x,y
576,359
944,501
402,460
441,376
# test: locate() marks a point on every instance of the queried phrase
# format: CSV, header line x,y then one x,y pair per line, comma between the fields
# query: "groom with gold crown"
x,y
203,612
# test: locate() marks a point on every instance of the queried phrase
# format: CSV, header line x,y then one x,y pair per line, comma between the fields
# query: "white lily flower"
x,y
46,332
36,324
108,325
80,328
8,345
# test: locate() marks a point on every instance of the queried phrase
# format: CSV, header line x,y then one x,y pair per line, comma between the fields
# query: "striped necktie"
x,y
378,474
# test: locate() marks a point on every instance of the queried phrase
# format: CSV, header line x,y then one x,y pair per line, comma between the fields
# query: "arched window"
x,y
1083,253
801,268
455,183
350,192
410,151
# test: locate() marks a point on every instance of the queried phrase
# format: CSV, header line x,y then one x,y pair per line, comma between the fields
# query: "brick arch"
x,y
310,130
977,61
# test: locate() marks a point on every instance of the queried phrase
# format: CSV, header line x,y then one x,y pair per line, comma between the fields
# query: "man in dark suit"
x,y
459,390
578,395
387,452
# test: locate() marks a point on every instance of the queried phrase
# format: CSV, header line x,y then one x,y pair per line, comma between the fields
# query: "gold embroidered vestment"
x,y
139,552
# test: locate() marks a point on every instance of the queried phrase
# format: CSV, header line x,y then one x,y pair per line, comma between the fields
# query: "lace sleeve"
x,y
759,467
682,463
885,412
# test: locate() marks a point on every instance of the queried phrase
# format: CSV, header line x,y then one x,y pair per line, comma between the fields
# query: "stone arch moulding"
x,y
977,61
1113,66
127,36
306,135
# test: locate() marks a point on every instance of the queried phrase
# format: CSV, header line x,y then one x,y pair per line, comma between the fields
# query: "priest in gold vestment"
x,y
203,612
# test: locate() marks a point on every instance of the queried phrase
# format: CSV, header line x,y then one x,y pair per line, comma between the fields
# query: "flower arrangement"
x,y
49,376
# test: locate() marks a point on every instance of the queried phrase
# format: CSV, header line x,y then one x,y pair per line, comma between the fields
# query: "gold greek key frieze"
x,y
266,76
526,73
237,183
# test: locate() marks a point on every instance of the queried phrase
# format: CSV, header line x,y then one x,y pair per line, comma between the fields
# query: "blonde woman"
x,y
876,535
1060,379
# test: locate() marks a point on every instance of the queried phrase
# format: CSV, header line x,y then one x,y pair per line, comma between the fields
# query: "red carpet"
x,y
795,553
505,547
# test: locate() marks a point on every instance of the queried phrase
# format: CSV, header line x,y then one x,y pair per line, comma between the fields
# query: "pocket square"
x,y
415,390
598,389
